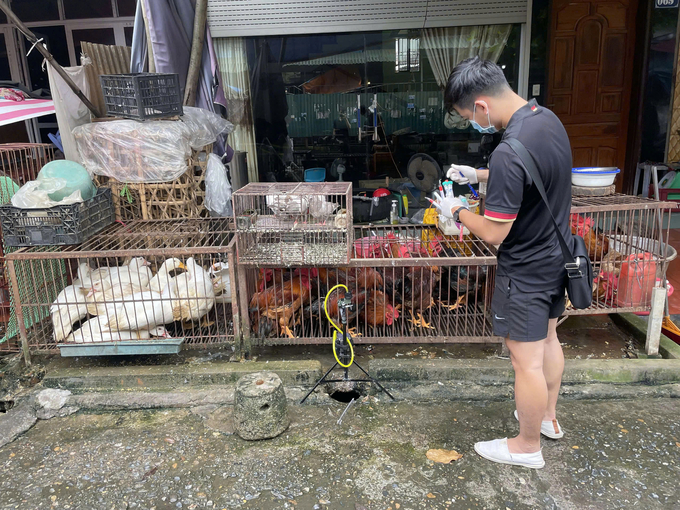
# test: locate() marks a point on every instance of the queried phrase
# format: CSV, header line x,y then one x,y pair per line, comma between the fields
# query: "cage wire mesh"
x,y
294,224
146,280
408,284
19,163
627,240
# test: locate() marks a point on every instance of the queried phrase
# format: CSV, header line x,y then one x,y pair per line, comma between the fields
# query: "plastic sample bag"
x,y
217,188
36,194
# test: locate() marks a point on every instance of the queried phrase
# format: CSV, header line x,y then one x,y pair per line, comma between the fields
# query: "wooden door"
x,y
589,85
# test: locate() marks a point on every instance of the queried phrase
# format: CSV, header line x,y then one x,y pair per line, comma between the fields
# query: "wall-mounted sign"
x,y
663,4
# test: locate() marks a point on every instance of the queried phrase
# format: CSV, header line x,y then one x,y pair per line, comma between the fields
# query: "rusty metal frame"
x,y
21,162
291,236
626,219
441,323
209,238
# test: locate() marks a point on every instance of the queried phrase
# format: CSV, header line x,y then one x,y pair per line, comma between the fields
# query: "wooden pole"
x,y
48,56
196,52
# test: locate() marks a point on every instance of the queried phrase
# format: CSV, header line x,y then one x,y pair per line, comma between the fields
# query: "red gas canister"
x,y
636,280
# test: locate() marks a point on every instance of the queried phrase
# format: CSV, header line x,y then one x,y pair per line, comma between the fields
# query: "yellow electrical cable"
x,y
335,333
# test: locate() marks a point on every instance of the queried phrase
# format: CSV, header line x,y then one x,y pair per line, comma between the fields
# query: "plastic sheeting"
x,y
151,151
71,111
36,194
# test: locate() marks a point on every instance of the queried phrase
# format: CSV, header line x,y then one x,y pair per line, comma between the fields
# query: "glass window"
x,y
55,39
366,102
127,7
36,10
656,110
5,72
128,35
82,9
92,35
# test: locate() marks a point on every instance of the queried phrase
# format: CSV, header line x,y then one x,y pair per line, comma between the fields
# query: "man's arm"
x,y
493,232
482,174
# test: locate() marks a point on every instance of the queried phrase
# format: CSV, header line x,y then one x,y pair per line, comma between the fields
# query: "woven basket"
x,y
181,198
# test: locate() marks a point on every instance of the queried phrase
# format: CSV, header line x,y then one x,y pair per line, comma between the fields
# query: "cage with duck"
x,y
294,224
130,289
407,284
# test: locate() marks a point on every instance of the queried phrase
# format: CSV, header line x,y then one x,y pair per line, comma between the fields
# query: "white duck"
x,y
142,310
92,332
118,284
83,279
159,282
219,274
133,274
195,291
69,308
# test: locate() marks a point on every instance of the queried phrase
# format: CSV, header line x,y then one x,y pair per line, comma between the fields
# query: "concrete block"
x,y
260,406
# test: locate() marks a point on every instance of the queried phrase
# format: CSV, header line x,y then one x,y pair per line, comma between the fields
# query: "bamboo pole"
x,y
196,52
48,56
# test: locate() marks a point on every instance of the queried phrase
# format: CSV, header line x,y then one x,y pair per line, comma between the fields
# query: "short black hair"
x,y
470,79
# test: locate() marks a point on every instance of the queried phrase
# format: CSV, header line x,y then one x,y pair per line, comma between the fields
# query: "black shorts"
x,y
524,316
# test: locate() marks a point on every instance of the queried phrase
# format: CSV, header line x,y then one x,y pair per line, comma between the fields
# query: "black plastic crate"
x,y
59,225
142,96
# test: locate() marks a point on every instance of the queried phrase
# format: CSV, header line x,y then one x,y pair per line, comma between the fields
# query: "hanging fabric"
x,y
447,47
235,74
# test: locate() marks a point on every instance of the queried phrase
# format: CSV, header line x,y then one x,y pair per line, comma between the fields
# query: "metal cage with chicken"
x,y
408,284
294,224
627,239
19,163
157,283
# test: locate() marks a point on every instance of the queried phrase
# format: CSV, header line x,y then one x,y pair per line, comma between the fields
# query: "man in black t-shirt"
x,y
530,282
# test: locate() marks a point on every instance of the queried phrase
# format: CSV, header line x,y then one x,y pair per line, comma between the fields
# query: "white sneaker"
x,y
497,451
549,428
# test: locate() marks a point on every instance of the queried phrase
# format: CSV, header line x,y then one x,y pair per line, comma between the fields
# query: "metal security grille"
x,y
242,18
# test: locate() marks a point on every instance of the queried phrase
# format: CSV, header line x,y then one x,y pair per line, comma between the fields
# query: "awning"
x,y
15,111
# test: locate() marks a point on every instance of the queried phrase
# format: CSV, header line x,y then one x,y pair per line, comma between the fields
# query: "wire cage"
x,y
19,163
627,239
294,224
145,281
408,284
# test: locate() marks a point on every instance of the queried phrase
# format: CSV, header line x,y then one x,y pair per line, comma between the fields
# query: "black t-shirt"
x,y
530,255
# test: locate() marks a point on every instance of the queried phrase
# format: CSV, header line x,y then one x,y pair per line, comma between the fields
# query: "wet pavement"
x,y
615,454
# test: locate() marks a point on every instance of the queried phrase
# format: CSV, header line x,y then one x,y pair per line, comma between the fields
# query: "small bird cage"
x,y
294,224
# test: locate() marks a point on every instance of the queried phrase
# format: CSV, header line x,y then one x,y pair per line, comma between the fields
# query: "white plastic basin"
x,y
594,176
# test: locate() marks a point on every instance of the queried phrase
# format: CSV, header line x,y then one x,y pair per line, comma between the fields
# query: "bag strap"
x,y
530,165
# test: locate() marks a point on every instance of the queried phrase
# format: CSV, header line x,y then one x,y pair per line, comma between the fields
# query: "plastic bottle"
x,y
394,215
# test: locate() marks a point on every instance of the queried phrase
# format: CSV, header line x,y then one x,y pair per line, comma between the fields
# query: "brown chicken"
x,y
355,278
358,300
378,311
597,244
272,310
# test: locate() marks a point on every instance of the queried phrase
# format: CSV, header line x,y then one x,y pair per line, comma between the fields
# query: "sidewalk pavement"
x,y
615,454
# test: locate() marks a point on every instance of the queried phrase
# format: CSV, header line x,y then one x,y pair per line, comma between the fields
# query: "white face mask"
x,y
490,129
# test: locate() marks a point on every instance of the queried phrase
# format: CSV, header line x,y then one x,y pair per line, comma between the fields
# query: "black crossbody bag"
x,y
578,265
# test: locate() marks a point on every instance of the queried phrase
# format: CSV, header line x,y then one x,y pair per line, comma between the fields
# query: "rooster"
x,y
378,311
358,300
356,279
272,310
461,280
